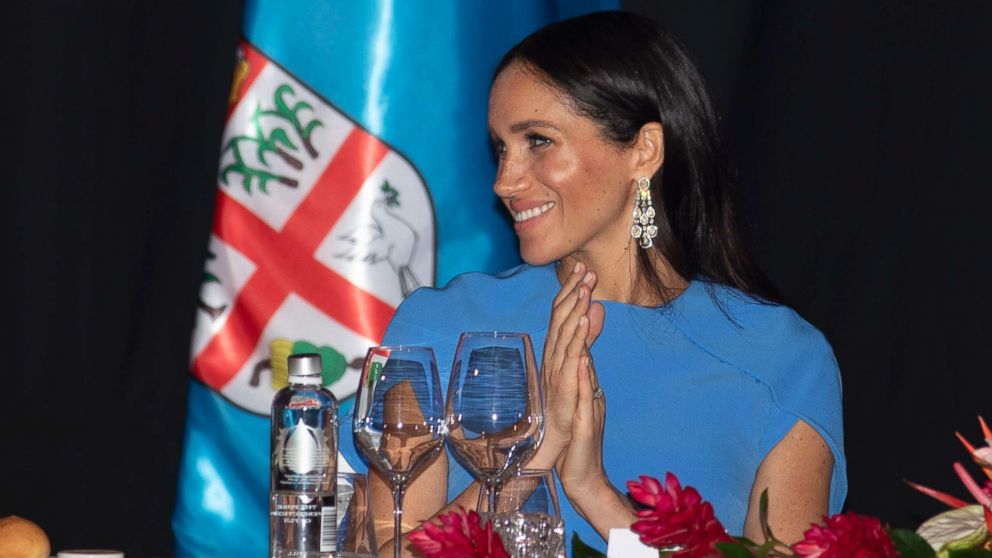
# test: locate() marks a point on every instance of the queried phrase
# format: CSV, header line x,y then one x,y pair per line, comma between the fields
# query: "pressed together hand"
x,y
565,348
574,416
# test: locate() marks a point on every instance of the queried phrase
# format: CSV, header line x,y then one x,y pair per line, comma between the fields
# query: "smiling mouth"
x,y
528,214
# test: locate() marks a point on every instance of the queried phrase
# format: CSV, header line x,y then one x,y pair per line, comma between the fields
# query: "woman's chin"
x,y
537,257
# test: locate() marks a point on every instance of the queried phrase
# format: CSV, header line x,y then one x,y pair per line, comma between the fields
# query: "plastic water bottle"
x,y
302,499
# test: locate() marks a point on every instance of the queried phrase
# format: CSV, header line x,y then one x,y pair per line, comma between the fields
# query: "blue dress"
x,y
703,386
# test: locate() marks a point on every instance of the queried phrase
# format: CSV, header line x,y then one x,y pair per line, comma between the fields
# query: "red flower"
x,y
675,518
459,535
846,535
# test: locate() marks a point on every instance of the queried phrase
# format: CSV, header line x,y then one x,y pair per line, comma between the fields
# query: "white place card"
x,y
624,543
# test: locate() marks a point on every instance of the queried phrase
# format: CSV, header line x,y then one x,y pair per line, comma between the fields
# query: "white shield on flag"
x,y
320,231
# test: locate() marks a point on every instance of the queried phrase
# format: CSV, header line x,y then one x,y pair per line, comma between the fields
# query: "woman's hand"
x,y
569,334
580,468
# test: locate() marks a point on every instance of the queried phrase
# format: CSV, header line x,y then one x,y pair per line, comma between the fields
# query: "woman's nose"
x,y
510,179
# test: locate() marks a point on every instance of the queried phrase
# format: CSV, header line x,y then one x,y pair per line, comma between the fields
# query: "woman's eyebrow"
x,y
526,124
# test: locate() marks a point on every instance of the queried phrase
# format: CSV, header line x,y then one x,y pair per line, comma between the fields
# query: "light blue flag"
x,y
355,167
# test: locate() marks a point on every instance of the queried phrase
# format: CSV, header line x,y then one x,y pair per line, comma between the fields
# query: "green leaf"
x,y
763,515
734,550
309,129
766,548
911,545
279,136
582,550
302,105
281,105
969,553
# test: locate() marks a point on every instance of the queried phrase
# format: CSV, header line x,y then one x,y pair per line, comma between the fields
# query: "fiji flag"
x,y
354,169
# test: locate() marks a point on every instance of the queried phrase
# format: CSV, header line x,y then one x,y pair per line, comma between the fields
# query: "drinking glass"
x,y
356,526
399,418
526,515
494,412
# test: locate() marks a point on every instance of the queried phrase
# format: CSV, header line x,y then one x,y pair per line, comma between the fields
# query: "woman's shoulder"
x,y
766,322
773,345
768,341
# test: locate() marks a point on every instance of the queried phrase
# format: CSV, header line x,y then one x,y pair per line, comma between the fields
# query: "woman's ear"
x,y
649,150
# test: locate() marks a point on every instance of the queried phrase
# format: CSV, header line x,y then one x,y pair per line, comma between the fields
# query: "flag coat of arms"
x,y
320,228
354,168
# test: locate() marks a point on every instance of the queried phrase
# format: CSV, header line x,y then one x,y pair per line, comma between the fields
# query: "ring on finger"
x,y
598,394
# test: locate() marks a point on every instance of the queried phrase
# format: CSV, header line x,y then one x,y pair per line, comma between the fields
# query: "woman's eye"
x,y
535,141
499,149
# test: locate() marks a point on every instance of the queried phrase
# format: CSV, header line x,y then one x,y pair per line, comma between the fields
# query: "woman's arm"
x,y
796,473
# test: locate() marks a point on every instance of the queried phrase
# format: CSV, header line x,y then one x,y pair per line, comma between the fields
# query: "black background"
x,y
860,130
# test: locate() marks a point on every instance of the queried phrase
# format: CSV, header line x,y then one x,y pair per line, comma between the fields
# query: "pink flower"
x,y
846,535
459,535
675,518
984,455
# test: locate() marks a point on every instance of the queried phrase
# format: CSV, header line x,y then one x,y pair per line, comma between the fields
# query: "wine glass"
x,y
355,526
526,514
494,412
399,418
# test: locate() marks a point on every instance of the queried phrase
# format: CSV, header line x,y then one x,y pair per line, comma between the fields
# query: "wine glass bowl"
x,y
399,417
494,413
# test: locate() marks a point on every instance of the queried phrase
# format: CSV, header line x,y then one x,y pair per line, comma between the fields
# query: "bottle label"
x,y
303,455
301,525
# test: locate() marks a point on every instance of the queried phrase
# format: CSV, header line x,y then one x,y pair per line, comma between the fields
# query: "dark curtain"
x,y
861,133
859,130
112,118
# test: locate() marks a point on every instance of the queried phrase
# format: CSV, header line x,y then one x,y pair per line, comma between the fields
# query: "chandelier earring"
x,y
644,229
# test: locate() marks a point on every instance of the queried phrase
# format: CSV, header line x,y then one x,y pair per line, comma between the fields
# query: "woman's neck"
x,y
619,277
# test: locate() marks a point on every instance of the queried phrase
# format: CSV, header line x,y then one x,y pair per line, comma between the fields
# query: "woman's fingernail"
x,y
577,268
582,293
583,320
587,278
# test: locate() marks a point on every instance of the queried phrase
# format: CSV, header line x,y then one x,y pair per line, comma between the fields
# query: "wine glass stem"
x,y
399,488
494,486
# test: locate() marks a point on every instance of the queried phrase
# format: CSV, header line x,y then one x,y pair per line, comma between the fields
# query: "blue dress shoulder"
x,y
704,386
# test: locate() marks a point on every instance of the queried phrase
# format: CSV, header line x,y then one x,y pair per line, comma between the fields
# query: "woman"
x,y
597,121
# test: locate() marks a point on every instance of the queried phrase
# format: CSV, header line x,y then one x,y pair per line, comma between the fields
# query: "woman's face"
x,y
569,190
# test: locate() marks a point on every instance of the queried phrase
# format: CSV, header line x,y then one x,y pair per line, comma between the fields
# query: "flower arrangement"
x,y
458,534
967,525
680,524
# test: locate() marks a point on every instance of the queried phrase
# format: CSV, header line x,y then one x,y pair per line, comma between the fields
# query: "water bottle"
x,y
304,444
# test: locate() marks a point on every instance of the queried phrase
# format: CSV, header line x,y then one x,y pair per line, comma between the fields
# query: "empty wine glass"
x,y
494,412
355,525
526,515
399,418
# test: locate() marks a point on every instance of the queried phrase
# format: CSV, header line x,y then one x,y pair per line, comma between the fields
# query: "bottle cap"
x,y
305,369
